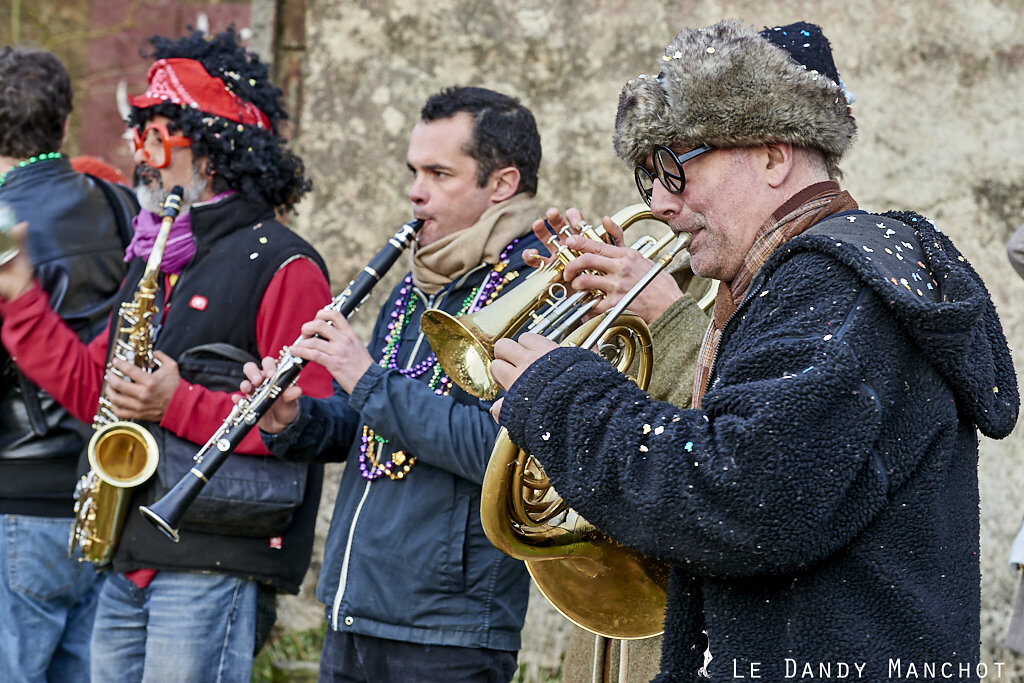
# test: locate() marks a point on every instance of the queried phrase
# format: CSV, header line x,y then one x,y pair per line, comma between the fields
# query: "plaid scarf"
x,y
808,207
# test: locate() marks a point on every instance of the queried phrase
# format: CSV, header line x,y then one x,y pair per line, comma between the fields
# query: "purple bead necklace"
x,y
399,464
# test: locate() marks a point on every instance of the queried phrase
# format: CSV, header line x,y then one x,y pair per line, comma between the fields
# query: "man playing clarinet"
x,y
413,589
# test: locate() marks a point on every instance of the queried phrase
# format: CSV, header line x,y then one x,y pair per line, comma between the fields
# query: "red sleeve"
x,y
51,355
295,294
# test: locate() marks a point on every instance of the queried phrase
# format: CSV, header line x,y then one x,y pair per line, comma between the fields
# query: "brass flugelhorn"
x,y
595,582
122,454
541,304
592,580
168,512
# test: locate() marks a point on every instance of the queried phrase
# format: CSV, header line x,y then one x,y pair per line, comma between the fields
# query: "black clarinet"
x,y
167,512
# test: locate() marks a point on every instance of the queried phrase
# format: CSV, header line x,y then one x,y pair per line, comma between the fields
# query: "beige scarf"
x,y
443,261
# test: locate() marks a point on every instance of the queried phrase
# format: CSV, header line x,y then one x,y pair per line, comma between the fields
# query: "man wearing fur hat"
x,y
819,504
191,611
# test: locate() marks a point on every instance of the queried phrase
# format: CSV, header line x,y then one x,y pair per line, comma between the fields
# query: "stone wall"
x,y
939,89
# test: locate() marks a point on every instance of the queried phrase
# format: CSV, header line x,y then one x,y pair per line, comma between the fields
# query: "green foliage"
x,y
537,674
297,646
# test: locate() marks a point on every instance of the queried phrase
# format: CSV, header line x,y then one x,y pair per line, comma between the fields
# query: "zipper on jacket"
x,y
718,347
343,578
428,302
755,284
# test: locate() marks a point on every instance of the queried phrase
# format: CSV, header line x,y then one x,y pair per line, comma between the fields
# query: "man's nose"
x,y
417,191
664,204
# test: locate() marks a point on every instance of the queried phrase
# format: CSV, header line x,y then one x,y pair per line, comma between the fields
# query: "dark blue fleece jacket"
x,y
408,560
821,507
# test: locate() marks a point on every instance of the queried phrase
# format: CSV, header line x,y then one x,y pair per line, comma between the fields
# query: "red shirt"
x,y
52,356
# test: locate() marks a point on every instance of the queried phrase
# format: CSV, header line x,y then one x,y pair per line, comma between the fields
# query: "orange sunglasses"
x,y
166,142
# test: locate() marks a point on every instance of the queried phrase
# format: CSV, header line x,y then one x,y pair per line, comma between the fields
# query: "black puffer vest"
x,y
256,516
78,229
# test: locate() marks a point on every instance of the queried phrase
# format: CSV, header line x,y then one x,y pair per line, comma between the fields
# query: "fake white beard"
x,y
151,194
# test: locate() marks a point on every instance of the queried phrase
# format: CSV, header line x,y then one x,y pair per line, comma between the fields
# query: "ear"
x,y
505,183
778,163
205,168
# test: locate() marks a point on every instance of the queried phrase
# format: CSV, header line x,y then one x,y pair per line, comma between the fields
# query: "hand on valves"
x,y
141,394
610,268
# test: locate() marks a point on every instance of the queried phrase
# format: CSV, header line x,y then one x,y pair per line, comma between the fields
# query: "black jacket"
x,y
822,505
78,230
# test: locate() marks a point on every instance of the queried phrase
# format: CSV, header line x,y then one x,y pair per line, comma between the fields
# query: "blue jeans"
x,y
47,602
183,627
353,658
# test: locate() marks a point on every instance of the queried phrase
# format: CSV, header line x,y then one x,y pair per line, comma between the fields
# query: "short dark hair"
x,y
505,133
35,100
256,162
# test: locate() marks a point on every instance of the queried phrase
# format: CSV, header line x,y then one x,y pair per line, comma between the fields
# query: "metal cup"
x,y
8,245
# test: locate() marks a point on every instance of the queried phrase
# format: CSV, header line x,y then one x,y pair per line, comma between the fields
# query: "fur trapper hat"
x,y
727,85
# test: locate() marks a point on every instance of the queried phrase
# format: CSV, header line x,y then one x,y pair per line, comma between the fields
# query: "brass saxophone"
x,y
122,454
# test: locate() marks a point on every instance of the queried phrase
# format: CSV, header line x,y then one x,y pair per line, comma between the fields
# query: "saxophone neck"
x,y
172,206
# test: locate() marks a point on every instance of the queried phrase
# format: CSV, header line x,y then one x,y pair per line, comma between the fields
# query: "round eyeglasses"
x,y
668,168
155,142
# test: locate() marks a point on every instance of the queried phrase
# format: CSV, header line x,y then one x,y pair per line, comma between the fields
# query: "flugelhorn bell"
x,y
571,562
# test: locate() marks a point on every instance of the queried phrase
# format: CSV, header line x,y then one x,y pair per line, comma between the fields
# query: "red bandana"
x,y
185,81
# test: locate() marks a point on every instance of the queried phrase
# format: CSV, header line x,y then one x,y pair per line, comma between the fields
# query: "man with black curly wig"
x,y
235,285
79,226
818,505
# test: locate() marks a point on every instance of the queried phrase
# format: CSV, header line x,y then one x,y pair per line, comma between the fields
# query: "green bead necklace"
x,y
28,162
400,463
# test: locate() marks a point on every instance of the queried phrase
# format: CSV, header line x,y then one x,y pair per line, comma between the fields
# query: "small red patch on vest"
x,y
276,542
198,302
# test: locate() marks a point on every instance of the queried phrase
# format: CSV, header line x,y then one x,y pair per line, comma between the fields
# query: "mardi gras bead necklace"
x,y
28,162
399,464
